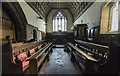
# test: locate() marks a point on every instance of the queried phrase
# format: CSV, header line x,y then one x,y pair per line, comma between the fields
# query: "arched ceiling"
x,y
75,8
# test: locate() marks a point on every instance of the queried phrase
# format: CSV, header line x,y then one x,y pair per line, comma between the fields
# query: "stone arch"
x,y
16,14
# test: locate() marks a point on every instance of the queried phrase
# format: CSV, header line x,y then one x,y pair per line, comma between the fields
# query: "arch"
x,y
61,12
59,21
35,34
109,18
17,16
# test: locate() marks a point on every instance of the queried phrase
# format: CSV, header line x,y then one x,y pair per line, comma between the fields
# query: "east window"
x,y
59,22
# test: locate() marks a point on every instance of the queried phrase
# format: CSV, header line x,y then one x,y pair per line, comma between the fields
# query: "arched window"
x,y
109,18
59,22
115,22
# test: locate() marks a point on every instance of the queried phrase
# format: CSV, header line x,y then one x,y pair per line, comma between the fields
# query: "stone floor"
x,y
59,63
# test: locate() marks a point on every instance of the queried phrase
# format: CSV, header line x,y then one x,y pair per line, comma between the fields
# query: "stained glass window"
x,y
59,22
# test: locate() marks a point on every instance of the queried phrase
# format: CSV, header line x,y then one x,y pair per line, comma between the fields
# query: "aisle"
x,y
59,63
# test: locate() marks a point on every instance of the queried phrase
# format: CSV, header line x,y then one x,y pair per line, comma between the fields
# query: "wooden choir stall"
x,y
17,58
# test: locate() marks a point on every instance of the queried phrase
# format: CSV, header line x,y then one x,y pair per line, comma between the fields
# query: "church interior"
x,y
60,38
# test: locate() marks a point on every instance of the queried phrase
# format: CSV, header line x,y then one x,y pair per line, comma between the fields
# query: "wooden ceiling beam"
x,y
75,8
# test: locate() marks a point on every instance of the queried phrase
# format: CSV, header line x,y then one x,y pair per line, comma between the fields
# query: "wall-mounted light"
x,y
40,17
72,28
81,21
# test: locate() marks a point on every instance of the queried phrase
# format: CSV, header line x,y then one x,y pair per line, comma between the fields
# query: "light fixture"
x,y
40,17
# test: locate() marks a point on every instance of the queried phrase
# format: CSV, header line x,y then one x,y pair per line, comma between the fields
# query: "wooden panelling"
x,y
61,37
6,33
80,31
5,27
103,39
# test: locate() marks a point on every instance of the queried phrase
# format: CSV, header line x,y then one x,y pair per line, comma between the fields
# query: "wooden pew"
x,y
17,44
38,58
25,49
17,62
85,62
100,52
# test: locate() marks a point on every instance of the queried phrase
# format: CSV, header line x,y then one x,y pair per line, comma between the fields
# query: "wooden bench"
x,y
100,52
19,52
37,59
85,62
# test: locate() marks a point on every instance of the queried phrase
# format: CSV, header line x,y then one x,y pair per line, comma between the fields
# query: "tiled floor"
x,y
59,63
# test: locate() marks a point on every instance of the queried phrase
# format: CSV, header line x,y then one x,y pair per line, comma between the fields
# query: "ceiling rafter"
x,y
44,8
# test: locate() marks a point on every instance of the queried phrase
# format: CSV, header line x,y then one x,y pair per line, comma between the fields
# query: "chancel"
x,y
70,38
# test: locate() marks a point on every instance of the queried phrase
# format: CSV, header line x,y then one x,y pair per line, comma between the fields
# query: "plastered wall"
x,y
32,16
91,16
32,20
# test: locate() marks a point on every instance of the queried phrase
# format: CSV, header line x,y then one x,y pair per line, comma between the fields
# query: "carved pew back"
x,y
99,52
18,52
85,62
25,48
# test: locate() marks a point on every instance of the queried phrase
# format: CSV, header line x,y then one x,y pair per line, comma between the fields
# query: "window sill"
x,y
113,32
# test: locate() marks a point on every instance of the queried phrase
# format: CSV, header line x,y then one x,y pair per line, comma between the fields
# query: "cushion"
x,y
45,43
39,46
54,45
32,51
22,56
65,45
25,63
